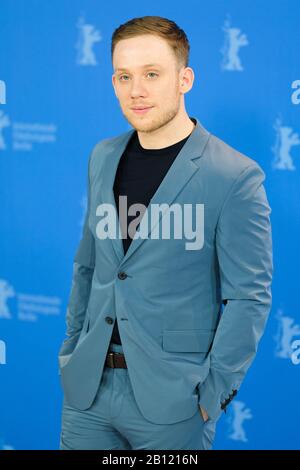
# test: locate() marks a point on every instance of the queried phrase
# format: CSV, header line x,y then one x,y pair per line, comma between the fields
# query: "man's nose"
x,y
137,88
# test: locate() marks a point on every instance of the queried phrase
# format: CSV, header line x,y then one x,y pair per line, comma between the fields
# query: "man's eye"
x,y
126,76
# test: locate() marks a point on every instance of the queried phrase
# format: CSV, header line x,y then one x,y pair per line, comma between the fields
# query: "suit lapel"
x,y
109,170
182,169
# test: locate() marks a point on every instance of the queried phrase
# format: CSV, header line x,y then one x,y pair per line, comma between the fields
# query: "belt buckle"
x,y
110,357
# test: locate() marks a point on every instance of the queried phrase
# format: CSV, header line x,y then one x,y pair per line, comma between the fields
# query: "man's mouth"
x,y
139,110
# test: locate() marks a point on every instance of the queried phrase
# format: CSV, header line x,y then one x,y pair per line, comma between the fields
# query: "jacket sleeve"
x,y
83,268
244,250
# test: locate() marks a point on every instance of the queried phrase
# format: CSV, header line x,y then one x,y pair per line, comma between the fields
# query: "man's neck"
x,y
164,137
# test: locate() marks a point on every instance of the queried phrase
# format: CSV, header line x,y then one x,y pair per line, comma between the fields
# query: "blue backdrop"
x,y
57,101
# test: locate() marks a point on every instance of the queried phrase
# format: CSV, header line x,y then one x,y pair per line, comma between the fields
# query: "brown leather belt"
x,y
115,359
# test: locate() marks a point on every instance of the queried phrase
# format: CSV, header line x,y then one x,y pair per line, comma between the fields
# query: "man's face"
x,y
137,84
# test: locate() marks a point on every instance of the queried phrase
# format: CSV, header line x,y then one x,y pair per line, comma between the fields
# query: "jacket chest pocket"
x,y
187,340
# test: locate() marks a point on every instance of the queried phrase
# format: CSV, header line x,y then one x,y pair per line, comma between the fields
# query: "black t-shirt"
x,y
139,174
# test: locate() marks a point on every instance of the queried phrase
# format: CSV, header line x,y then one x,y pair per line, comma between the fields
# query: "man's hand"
x,y
204,414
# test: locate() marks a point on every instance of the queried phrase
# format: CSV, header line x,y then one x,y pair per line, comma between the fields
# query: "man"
x,y
163,330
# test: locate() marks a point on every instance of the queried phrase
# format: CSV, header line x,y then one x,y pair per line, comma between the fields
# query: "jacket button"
x,y
109,320
122,275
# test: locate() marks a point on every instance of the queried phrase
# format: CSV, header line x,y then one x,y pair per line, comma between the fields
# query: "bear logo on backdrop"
x,y
239,414
234,40
287,330
286,139
6,291
88,36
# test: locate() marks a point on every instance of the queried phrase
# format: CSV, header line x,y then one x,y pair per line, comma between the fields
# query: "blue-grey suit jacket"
x,y
190,320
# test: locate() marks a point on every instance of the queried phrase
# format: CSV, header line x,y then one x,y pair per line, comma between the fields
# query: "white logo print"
x,y
287,330
295,356
88,36
182,222
29,306
295,98
240,414
285,140
25,134
6,291
83,204
4,122
2,352
234,40
2,92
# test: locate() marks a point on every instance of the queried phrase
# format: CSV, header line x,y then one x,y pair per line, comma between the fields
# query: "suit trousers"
x,y
114,421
